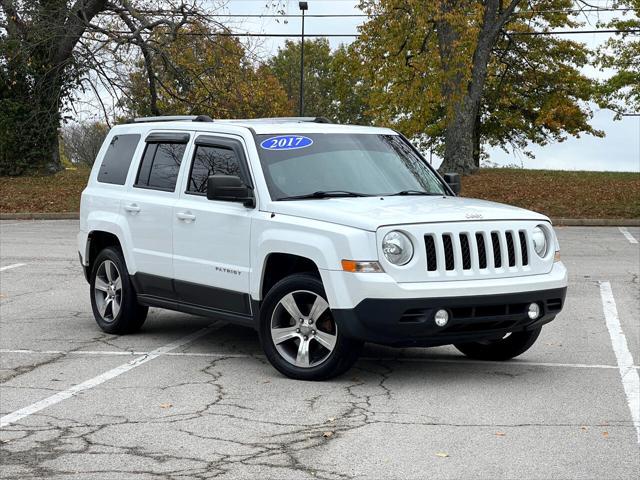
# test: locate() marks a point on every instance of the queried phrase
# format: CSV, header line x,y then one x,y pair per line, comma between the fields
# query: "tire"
x,y
328,352
502,349
108,273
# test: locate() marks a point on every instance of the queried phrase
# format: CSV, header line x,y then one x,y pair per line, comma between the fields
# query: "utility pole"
x,y
303,7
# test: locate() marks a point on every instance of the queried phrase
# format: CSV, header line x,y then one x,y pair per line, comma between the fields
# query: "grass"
x,y
554,193
560,194
55,193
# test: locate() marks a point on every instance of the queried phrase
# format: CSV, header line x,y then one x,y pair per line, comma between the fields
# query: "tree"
x,y
317,75
535,92
451,71
332,88
82,141
48,48
621,91
199,72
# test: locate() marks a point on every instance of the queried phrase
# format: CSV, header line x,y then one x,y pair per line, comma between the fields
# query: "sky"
x,y
619,150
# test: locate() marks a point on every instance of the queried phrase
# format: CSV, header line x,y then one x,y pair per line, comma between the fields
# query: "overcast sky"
x,y
619,150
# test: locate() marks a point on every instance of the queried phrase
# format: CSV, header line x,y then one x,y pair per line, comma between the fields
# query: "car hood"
x,y
370,213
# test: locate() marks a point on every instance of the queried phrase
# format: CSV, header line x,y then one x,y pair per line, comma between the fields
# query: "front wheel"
x,y
299,334
504,348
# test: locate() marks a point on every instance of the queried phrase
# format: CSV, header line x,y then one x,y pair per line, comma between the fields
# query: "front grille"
x,y
474,251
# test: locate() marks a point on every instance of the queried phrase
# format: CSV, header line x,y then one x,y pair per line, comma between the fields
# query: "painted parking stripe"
x,y
629,375
627,235
463,361
9,267
93,382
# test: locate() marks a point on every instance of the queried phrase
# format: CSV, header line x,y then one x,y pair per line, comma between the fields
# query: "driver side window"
x,y
211,160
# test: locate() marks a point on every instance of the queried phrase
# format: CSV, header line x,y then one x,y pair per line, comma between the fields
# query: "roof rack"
x,y
281,120
174,118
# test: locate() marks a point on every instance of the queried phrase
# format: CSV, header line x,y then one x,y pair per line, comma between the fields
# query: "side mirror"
x,y
453,180
231,189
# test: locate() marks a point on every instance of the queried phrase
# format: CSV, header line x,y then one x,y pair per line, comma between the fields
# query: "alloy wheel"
x,y
108,290
303,329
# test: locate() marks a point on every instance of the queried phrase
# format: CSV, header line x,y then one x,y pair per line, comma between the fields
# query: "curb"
x,y
596,222
40,216
558,222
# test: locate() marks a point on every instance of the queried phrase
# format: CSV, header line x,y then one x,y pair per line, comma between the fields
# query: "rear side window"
x,y
211,160
116,162
160,166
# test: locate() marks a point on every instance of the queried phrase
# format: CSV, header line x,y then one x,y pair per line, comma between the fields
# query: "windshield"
x,y
329,164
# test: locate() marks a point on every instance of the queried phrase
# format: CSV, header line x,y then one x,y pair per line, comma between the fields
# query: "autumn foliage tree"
x,y
202,73
456,74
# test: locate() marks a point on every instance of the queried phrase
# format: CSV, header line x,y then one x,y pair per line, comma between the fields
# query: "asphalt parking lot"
x,y
189,397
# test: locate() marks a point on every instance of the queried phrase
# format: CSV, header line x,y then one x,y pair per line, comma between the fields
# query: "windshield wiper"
x,y
325,194
415,192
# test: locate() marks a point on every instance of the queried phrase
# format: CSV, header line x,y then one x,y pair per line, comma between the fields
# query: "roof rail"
x,y
281,120
173,118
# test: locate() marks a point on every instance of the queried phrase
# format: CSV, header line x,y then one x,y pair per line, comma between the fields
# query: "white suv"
x,y
320,236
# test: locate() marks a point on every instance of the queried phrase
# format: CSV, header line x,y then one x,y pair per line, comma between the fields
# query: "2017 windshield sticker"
x,y
286,142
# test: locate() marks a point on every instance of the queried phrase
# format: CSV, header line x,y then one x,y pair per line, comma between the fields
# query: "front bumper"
x,y
409,322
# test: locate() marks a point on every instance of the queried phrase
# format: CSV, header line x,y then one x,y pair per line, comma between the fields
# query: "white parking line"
x,y
629,375
9,267
462,361
93,382
627,235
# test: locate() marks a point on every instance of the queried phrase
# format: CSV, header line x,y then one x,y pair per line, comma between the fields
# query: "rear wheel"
x,y
505,348
113,298
299,334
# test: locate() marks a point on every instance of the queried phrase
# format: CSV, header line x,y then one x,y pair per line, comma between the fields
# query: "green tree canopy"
x,y
621,91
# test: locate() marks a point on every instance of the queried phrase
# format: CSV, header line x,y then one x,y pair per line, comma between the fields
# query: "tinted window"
x,y
160,166
211,161
116,162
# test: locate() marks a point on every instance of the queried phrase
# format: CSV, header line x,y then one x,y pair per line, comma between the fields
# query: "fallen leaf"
x,y
442,454
605,434
166,405
500,434
327,434
583,428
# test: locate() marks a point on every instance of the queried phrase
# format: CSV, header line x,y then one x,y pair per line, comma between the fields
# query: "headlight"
x,y
397,248
539,241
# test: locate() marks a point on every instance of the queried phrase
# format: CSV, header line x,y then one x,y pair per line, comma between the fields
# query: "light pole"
x,y
303,7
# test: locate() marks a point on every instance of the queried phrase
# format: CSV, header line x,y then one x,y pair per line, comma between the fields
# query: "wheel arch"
x,y
279,265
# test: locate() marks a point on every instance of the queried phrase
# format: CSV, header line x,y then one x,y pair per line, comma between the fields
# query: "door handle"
x,y
186,216
132,208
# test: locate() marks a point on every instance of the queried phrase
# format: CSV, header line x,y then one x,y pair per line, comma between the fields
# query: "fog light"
x,y
533,311
441,318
